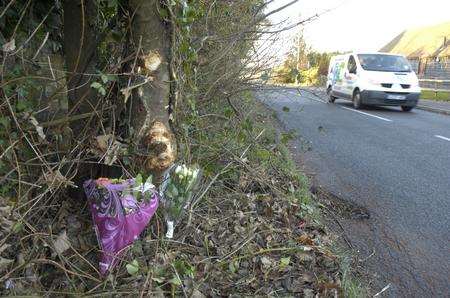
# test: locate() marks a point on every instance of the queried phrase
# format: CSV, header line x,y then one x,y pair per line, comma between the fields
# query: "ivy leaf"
x,y
284,262
175,280
104,78
149,180
138,180
96,85
133,267
99,87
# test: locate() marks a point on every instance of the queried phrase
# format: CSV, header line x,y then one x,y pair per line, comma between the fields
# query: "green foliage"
x,y
184,268
179,189
102,86
99,87
287,72
320,61
310,77
18,23
303,65
435,95
284,262
133,267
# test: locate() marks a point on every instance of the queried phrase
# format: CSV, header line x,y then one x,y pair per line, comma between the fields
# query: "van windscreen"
x,y
380,62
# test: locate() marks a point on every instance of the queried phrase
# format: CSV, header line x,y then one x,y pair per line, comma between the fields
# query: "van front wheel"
x,y
357,100
407,108
331,98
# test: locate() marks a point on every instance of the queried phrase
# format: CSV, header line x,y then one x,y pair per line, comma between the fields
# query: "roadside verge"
x,y
441,107
322,210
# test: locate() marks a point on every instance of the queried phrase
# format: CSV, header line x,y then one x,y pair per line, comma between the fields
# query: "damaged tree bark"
x,y
150,101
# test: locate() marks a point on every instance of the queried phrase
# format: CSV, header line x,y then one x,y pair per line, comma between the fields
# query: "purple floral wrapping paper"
x,y
118,218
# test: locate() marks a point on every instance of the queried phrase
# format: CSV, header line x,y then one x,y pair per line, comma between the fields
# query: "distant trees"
x,y
302,65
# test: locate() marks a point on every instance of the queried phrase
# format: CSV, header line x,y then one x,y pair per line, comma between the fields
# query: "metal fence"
x,y
433,73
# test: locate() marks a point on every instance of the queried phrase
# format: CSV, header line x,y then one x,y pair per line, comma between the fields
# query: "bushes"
x,y
313,73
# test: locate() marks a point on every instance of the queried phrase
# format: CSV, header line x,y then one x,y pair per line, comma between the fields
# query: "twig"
x,y
40,48
35,30
6,8
237,249
66,120
384,289
343,230
178,276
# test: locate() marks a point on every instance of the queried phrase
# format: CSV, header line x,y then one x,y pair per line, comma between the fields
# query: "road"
x,y
394,164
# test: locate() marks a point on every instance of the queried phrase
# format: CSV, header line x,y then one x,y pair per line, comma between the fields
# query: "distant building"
x,y
425,42
428,50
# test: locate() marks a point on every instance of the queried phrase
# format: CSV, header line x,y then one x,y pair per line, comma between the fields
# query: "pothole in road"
x,y
340,206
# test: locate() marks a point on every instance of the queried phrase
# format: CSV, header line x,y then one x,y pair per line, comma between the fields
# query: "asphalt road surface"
x,y
397,166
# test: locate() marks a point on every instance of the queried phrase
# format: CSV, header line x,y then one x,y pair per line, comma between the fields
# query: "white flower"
x,y
185,171
177,169
148,187
195,173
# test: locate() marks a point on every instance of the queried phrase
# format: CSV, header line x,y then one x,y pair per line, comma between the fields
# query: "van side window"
x,y
351,65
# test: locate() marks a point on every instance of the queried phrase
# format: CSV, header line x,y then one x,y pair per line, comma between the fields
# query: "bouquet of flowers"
x,y
121,209
177,192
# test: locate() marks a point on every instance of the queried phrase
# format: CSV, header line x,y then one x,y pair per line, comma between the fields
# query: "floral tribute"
x,y
121,209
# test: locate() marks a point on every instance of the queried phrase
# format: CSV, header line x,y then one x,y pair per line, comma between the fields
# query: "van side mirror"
x,y
353,70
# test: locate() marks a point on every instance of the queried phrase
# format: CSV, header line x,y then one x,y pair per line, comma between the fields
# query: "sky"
x,y
365,25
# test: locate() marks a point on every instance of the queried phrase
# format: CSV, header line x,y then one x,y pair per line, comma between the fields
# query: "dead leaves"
x,y
62,243
54,179
305,239
10,46
108,148
4,262
39,129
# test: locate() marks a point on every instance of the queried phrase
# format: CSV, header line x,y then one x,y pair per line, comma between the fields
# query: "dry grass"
x,y
250,230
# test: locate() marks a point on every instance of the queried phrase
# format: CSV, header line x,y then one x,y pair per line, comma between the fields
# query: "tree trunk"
x,y
150,101
81,55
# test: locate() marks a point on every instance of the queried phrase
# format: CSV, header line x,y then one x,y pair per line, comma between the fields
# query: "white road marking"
x,y
367,114
441,137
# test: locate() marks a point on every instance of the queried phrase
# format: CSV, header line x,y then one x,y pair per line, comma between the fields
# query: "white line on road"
x,y
367,114
441,137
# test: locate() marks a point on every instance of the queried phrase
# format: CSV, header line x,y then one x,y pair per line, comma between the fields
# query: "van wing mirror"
x,y
353,70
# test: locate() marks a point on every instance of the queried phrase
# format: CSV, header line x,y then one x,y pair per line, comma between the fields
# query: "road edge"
x,y
434,110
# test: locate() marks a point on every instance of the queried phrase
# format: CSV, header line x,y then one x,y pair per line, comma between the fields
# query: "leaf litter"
x,y
248,236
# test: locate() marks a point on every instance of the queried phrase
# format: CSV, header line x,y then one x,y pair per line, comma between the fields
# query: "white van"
x,y
373,79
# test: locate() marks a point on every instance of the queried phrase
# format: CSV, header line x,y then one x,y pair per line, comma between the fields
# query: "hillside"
x,y
431,41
